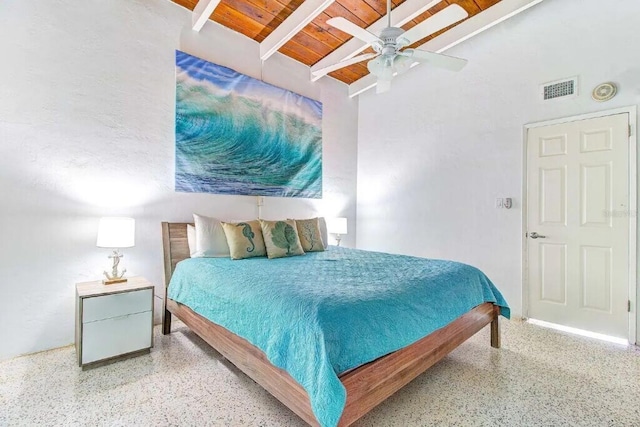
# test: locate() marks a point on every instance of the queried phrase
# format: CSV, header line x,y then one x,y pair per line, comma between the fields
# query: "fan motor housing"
x,y
390,34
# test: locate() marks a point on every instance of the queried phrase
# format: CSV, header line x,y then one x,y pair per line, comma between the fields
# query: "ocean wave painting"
x,y
239,135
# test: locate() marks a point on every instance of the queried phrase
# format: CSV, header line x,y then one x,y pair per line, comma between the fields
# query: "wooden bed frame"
x,y
366,386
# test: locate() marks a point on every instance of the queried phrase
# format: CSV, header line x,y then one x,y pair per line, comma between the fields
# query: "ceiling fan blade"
x,y
342,64
351,28
437,59
440,20
383,86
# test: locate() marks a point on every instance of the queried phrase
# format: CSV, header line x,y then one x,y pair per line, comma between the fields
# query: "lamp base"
x,y
115,277
112,281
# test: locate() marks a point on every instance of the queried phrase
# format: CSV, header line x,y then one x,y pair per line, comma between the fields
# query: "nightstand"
x,y
113,321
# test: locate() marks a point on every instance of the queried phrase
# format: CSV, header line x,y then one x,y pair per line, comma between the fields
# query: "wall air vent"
x,y
565,88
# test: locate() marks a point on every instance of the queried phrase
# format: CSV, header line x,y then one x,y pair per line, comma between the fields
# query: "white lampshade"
x,y
116,232
337,226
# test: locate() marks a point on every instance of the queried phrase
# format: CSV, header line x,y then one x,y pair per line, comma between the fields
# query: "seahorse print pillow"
x,y
244,239
281,238
310,234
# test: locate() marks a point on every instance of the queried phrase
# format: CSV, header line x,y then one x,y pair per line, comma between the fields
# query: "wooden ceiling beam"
x,y
202,12
402,14
494,15
291,26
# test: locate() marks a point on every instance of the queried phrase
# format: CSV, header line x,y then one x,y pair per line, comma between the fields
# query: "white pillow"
x,y
323,231
191,239
210,239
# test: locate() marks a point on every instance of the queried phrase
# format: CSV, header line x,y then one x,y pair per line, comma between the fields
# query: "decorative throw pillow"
x,y
191,239
210,238
310,235
323,232
244,239
281,238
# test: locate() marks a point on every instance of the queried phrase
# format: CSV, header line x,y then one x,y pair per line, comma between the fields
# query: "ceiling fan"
x,y
389,58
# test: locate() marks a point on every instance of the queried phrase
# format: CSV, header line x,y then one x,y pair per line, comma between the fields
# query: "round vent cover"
x,y
604,92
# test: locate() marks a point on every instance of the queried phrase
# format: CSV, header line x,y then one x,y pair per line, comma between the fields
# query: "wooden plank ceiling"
x,y
258,18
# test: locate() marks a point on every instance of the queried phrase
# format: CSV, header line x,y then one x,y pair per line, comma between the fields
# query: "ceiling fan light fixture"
x,y
381,67
386,73
375,66
402,63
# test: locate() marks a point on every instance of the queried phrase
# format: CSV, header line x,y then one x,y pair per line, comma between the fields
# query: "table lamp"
x,y
116,233
338,226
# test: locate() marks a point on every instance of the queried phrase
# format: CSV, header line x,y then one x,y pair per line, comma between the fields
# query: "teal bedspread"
x,y
323,313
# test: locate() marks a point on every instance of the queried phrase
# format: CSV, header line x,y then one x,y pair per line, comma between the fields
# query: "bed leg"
x,y
166,322
495,332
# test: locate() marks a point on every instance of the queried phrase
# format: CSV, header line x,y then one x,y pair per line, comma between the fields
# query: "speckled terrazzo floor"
x,y
539,378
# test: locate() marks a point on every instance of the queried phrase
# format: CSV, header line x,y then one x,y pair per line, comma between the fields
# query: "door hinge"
x,y
629,306
630,130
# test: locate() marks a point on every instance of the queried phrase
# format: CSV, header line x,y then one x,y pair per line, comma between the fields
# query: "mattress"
x,y
323,313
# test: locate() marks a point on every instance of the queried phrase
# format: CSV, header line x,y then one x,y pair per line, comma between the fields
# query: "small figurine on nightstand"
x,y
116,232
115,277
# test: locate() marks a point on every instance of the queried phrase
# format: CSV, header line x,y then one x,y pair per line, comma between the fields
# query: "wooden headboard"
x,y
175,246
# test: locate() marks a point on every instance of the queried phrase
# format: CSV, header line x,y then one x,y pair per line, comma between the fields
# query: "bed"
x,y
312,333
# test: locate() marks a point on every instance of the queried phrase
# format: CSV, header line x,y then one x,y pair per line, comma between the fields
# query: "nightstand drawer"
x,y
108,306
116,336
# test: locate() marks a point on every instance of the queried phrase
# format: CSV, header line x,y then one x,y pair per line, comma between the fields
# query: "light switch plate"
x,y
507,203
504,203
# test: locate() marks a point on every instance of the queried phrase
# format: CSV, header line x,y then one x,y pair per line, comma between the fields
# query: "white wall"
x,y
435,152
87,94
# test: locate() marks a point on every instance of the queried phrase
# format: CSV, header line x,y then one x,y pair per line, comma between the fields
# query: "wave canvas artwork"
x,y
239,135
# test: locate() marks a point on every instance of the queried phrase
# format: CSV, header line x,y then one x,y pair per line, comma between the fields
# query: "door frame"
x,y
634,290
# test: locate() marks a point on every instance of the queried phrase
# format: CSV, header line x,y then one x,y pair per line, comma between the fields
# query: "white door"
x,y
578,224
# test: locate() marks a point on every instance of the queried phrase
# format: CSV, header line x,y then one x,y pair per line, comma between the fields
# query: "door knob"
x,y
535,235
